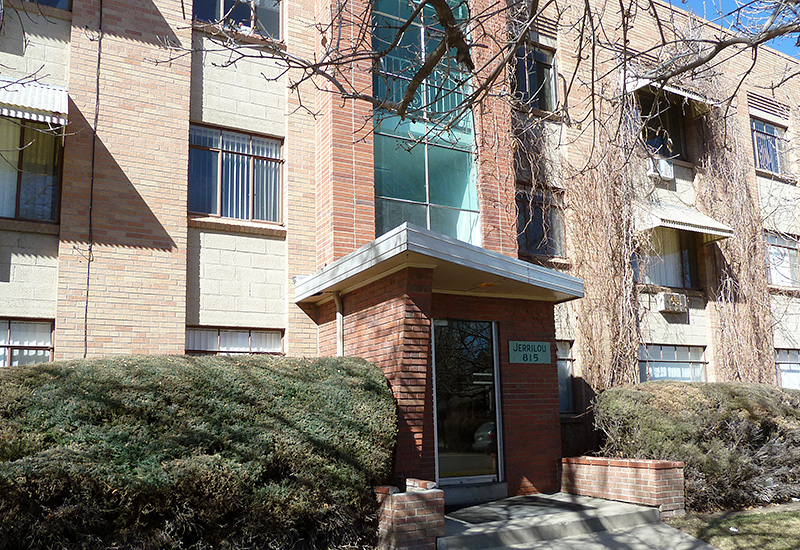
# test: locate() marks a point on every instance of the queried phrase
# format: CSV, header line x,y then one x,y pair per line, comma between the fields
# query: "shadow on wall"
x,y
145,23
121,216
578,434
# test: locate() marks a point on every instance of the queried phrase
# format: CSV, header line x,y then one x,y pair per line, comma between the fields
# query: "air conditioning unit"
x,y
671,302
661,168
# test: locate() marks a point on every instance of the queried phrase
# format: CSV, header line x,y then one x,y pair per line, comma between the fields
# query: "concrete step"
x,y
527,519
651,536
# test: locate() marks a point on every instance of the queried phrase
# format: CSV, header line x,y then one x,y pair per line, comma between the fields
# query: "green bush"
x,y
740,442
183,452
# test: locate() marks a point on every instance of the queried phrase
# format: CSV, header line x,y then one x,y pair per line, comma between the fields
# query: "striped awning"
x,y
33,101
653,214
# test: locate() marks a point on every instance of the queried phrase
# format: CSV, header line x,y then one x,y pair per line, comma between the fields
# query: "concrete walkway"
x,y
560,522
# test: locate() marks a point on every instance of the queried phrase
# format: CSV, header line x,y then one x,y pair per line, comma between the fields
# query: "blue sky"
x,y
710,9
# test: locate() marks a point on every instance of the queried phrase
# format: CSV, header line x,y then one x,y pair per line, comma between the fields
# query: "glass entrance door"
x,y
467,427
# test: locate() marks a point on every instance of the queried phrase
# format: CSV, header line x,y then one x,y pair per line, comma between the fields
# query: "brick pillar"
x,y
344,172
137,273
410,520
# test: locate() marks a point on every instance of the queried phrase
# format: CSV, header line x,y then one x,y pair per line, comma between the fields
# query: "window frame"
x,y
790,251
251,167
220,330
548,202
645,363
780,150
250,30
675,116
57,133
9,348
567,383
687,248
524,99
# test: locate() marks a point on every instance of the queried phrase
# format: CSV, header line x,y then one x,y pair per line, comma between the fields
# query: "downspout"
x,y
339,324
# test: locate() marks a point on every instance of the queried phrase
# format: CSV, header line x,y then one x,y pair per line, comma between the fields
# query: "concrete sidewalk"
x,y
559,522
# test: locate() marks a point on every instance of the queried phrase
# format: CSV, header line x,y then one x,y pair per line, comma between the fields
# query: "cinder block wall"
x,y
657,483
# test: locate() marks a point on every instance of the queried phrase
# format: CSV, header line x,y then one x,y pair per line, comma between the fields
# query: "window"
x,y
769,146
684,363
60,4
30,156
787,363
540,224
261,16
783,259
534,81
25,342
424,167
565,360
232,341
234,175
672,261
662,120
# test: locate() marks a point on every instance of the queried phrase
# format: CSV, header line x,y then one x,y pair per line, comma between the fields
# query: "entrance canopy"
x,y
458,268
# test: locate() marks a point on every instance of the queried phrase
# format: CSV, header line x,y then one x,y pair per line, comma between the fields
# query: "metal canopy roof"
x,y
33,101
654,214
458,268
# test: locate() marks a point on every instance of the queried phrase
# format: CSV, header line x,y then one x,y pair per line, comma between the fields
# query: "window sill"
x,y
793,291
230,225
47,11
24,226
554,262
785,178
646,288
216,31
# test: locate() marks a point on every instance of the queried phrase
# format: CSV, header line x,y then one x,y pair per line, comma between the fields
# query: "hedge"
x,y
182,452
740,442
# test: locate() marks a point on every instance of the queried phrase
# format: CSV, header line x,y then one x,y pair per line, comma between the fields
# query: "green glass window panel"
x,y
460,224
391,213
394,125
399,173
451,181
402,9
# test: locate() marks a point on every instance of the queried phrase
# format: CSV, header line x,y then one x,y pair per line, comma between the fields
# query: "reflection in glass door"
x,y
467,426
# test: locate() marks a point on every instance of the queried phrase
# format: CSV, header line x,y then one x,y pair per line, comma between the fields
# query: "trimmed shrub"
x,y
740,442
193,452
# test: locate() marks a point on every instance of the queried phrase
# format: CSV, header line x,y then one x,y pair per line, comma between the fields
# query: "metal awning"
x,y
635,83
458,268
653,214
33,101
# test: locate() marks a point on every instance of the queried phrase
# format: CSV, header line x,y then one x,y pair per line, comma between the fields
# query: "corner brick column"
x,y
410,520
656,483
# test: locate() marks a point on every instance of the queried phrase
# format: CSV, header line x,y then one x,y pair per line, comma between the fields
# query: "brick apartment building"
x,y
158,197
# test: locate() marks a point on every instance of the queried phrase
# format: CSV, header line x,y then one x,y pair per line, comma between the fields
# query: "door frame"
x,y
462,480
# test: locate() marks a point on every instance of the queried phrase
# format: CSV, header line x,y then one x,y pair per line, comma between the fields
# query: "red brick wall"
x,y
410,520
388,323
137,278
529,393
648,482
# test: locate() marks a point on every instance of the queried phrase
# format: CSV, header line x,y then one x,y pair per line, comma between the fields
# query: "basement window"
x,y
218,341
25,342
666,362
248,16
787,363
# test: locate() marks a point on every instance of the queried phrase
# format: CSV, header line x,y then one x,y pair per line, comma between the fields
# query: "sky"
x,y
710,9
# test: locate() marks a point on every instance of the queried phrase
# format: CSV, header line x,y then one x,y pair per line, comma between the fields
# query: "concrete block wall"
x,y
658,483
28,274
236,280
410,520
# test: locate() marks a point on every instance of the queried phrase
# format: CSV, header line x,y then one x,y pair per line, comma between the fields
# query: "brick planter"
x,y
410,520
647,482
